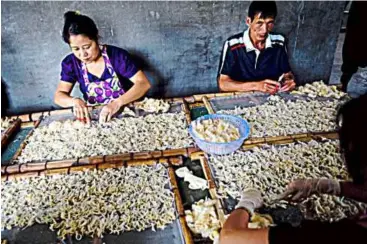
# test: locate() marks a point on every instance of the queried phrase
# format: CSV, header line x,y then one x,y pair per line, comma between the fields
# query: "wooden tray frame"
x,y
60,164
9,132
166,162
212,189
272,139
210,175
199,97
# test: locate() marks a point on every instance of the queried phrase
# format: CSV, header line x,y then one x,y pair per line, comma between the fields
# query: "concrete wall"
x,y
178,43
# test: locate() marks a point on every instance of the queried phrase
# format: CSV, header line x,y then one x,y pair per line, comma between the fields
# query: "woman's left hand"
x,y
108,111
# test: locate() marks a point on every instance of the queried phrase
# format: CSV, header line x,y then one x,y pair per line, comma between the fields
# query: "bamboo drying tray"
x,y
46,117
211,174
167,162
270,139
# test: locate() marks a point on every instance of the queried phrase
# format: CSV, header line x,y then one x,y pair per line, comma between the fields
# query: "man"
x,y
256,60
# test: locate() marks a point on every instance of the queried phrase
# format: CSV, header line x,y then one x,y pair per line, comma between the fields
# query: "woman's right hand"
x,y
301,189
80,110
268,86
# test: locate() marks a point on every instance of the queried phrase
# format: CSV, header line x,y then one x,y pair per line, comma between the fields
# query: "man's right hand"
x,y
80,110
268,86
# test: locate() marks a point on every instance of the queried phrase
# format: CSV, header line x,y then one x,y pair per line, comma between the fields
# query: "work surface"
x,y
173,233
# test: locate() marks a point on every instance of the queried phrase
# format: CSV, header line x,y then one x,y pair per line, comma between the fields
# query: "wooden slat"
x,y
241,93
91,160
111,165
224,94
27,124
4,140
9,132
172,178
156,154
199,97
303,139
23,175
164,162
25,117
218,205
276,138
192,150
208,105
211,184
328,135
61,164
12,169
280,142
118,158
176,161
250,146
195,105
298,136
206,169
83,168
3,169
186,231
178,201
177,100
186,110
61,111
37,123
142,155
254,140
56,171
141,162
36,116
197,155
28,167
189,99
174,152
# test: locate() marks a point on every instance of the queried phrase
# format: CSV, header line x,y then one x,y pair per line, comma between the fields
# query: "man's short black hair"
x,y
352,135
266,9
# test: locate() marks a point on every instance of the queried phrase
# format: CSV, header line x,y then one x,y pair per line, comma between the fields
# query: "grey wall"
x,y
178,43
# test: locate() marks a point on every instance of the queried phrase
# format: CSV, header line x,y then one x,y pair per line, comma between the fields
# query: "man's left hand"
x,y
288,86
108,111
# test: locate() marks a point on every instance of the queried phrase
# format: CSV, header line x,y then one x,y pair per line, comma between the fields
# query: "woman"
x,y
106,74
353,144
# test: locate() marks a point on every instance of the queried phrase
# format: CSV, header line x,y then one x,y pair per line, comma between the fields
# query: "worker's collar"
x,y
248,43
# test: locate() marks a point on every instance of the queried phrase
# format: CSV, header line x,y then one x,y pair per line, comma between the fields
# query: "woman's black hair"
x,y
77,24
266,9
353,137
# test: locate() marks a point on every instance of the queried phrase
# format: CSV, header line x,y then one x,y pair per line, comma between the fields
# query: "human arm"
x,y
139,89
235,229
62,98
303,188
227,84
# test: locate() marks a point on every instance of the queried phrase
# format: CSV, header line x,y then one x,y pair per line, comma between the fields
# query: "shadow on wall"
x,y
5,103
158,82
